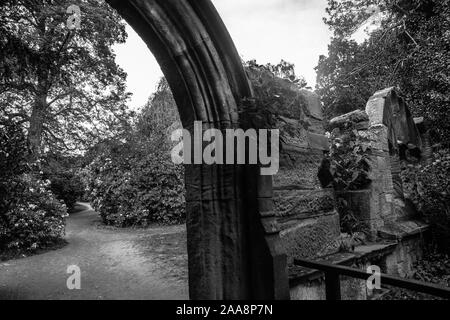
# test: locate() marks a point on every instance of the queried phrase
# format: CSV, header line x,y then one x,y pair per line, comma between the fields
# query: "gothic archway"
x,y
233,243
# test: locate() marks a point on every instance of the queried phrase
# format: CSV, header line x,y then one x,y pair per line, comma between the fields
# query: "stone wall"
x,y
397,240
387,127
306,213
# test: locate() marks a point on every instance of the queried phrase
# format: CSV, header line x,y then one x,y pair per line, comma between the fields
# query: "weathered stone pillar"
x,y
382,185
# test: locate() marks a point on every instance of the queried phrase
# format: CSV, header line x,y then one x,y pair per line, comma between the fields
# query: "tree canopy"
x,y
408,49
62,84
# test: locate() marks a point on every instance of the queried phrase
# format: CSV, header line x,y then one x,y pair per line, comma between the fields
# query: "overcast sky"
x,y
265,30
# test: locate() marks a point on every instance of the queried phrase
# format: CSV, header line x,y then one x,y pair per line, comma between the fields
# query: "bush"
x,y
433,197
30,216
138,190
134,182
66,183
67,186
36,220
348,160
432,268
347,168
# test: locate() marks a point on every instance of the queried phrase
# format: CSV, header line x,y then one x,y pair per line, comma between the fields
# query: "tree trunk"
x,y
36,127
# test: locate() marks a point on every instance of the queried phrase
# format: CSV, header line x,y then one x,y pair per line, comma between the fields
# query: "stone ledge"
x,y
299,275
286,220
401,230
356,116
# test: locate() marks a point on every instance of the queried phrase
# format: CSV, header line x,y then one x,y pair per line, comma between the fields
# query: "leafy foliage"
x,y
433,268
30,216
429,188
349,223
348,166
134,182
62,85
408,48
37,218
349,162
66,184
138,191
275,94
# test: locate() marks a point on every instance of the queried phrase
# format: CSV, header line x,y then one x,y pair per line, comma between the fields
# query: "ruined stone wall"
x,y
306,213
386,126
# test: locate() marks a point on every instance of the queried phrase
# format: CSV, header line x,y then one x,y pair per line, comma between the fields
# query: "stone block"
x,y
311,237
303,203
298,169
375,110
314,290
378,136
356,116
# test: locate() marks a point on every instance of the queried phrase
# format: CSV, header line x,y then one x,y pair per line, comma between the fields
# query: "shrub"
x,y
433,197
347,168
138,190
67,186
13,160
36,220
66,183
30,216
134,182
349,161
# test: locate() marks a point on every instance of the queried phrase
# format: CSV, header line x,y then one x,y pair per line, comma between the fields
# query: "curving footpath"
x,y
115,264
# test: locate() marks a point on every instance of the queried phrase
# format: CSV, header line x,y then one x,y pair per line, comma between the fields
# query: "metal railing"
x,y
333,284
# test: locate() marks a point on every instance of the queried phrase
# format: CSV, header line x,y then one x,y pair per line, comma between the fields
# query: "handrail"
x,y
332,281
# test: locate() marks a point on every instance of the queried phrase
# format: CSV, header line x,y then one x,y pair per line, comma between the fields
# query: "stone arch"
x,y
233,242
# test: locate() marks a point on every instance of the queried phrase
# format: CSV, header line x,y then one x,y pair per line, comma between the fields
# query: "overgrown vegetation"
x,y
429,187
433,268
63,85
31,218
65,181
276,95
60,91
409,49
348,165
134,182
349,161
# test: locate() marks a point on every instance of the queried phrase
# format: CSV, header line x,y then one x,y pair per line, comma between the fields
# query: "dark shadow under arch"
x,y
234,247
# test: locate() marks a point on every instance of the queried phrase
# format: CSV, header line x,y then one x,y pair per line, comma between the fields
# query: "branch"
x,y
60,96
404,25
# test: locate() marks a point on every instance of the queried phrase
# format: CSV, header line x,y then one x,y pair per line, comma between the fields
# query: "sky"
x,y
265,30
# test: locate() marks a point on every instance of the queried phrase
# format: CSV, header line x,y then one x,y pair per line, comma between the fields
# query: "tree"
x,y
409,50
160,113
62,84
134,181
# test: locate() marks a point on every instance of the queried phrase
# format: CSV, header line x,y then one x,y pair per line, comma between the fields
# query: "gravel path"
x,y
114,263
